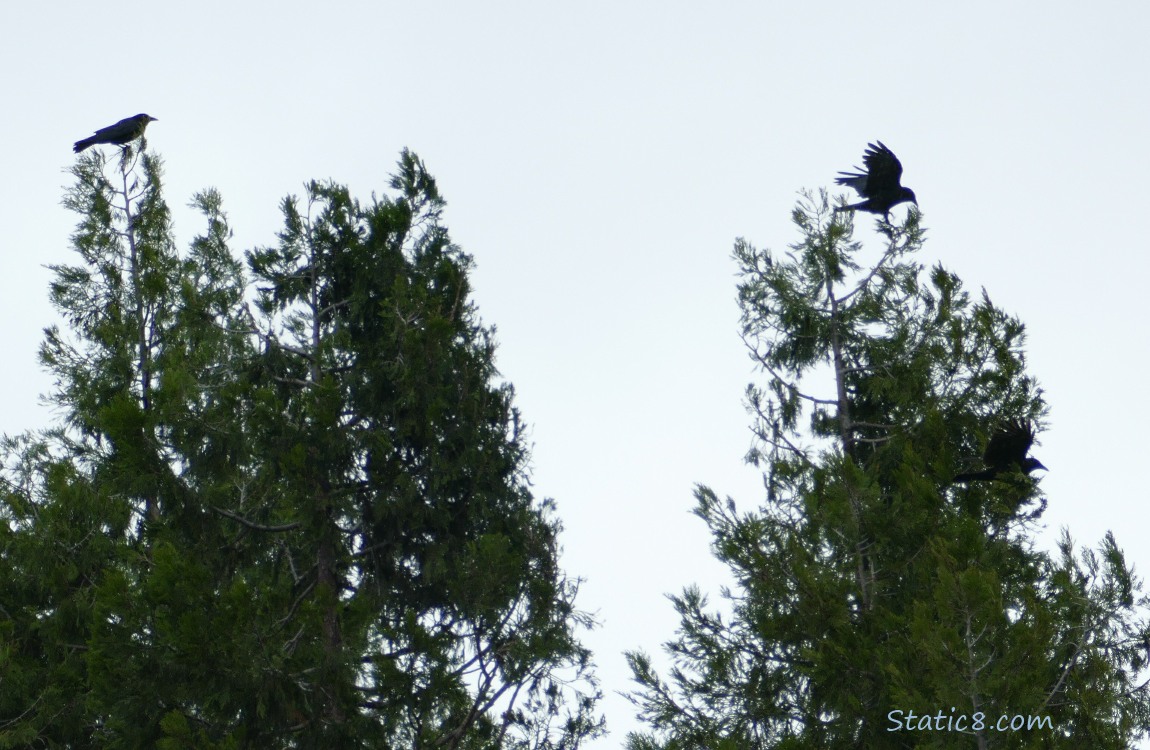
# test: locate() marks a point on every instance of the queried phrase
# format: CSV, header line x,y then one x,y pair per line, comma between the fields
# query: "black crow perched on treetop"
x,y
1006,452
879,184
124,131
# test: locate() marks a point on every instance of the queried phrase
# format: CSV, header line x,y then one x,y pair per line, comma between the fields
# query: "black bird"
x,y
879,184
124,131
1006,452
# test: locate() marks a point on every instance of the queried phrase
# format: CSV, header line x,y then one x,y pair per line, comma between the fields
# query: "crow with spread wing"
x,y
1006,452
879,184
124,131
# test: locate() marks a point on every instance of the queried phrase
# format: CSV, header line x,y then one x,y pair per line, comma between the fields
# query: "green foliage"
x,y
300,523
868,582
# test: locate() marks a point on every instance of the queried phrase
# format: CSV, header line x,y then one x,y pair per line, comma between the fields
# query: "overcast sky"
x,y
599,159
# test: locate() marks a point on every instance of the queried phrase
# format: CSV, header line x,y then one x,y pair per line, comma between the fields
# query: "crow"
x,y
879,184
1006,452
124,131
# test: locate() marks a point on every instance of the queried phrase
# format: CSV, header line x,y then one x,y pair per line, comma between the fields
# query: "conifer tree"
x,y
303,522
868,585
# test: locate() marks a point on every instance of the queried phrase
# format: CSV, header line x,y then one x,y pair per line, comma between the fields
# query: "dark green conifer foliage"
x,y
407,466
303,522
868,582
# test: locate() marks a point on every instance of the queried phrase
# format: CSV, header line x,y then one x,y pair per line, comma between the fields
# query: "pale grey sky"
x,y
599,160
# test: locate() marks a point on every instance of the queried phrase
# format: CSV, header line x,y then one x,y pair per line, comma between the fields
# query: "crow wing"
x,y
1010,444
882,176
122,128
883,168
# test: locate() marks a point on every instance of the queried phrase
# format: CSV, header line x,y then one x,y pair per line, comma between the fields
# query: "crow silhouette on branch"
x,y
123,132
1006,452
879,184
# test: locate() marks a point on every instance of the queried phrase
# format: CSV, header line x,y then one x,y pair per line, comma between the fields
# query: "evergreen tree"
x,y
869,585
300,523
